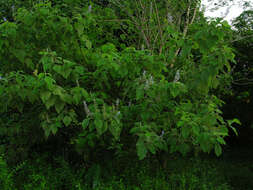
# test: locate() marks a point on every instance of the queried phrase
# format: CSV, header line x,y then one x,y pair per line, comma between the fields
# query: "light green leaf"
x,y
180,123
237,121
88,44
221,140
234,129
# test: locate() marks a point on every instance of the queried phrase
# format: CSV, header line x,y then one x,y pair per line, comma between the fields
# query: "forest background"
x,y
136,94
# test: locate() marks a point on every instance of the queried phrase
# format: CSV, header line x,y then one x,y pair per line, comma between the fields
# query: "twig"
x,y
188,23
241,38
241,84
159,28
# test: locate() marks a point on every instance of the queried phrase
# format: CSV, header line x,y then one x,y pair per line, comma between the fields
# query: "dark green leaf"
x,y
85,123
67,120
217,149
141,149
45,95
59,105
50,102
139,93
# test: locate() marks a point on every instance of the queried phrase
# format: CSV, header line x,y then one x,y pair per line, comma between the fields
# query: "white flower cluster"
x,y
149,80
89,8
177,76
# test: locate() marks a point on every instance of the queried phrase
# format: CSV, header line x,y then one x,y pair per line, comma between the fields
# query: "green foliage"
x,y
6,180
180,175
77,79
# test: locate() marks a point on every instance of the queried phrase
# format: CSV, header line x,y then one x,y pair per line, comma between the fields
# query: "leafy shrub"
x,y
68,76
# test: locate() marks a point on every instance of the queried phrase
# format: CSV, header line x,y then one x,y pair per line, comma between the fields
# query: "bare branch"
x,y
160,29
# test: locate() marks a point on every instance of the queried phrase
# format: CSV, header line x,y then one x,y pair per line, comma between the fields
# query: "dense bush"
x,y
68,75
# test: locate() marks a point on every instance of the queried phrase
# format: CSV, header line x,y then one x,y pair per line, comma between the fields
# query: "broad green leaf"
x,y
66,98
217,149
204,142
20,107
79,28
88,44
180,123
58,69
221,140
63,70
54,128
50,102
115,129
85,94
59,105
50,82
139,93
66,72
151,148
176,88
85,123
58,90
67,120
234,129
237,121
99,126
77,98
45,95
29,63
196,129
46,62
185,131
78,93
20,54
47,132
184,148
141,149
145,115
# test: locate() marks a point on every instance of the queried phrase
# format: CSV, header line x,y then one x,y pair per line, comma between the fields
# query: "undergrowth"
x,y
180,174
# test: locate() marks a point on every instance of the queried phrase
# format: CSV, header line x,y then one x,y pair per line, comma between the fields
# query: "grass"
x,y
181,174
232,171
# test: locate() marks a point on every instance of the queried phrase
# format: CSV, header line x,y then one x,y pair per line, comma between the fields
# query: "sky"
x,y
234,11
